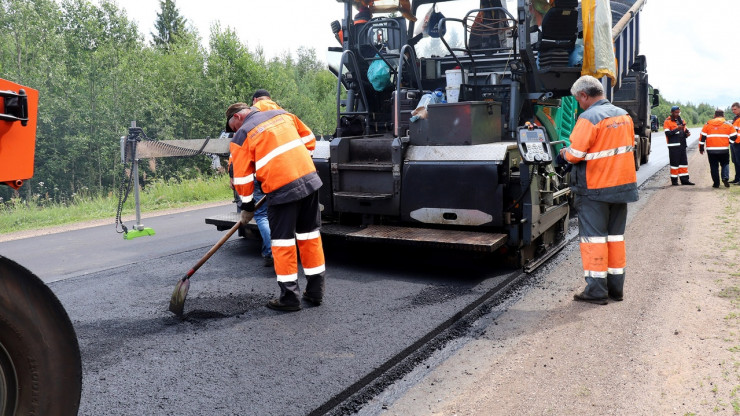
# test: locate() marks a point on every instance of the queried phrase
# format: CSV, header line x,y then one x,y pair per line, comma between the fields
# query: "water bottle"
x,y
426,99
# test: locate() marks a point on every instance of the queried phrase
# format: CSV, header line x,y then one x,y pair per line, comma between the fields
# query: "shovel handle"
x,y
220,242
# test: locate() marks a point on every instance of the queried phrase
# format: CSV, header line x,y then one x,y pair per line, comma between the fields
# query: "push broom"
x,y
177,301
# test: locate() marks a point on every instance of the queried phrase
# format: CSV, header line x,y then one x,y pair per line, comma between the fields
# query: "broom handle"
x,y
221,242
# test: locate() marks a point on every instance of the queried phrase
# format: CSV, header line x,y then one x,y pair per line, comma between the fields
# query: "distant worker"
x,y
262,100
273,147
716,136
735,147
604,181
675,135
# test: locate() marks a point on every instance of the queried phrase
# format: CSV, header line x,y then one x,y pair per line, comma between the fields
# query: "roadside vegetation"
x,y
96,72
41,211
726,391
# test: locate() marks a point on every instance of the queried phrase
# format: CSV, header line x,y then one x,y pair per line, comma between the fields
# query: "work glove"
x,y
246,216
335,27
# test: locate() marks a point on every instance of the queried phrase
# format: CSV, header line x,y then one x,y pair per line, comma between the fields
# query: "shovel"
x,y
177,301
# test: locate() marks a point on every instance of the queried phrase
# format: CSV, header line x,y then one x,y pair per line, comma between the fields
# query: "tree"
x,y
169,24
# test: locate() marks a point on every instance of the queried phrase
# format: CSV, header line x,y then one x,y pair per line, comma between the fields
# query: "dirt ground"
x,y
672,347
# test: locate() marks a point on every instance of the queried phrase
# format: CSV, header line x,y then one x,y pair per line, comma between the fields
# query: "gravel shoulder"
x,y
672,347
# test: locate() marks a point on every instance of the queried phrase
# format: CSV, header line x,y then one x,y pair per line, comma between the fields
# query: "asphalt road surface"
x,y
231,355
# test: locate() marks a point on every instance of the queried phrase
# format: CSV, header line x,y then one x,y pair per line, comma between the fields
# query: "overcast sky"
x,y
689,45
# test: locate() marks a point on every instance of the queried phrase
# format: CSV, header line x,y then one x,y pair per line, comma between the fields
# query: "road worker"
x,y
716,137
735,147
604,181
273,147
262,100
675,135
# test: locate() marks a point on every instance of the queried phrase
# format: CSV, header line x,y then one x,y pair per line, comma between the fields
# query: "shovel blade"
x,y
177,301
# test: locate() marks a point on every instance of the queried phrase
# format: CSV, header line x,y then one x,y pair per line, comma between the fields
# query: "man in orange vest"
x,y
716,136
262,100
675,135
604,181
273,147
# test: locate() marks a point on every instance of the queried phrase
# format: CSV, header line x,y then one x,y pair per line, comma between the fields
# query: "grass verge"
x,y
18,215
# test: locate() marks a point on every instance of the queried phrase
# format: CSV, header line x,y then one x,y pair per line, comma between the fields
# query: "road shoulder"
x,y
671,347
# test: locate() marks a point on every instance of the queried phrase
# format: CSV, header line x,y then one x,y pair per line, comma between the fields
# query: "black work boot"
x,y
314,289
595,291
288,301
615,285
674,181
685,181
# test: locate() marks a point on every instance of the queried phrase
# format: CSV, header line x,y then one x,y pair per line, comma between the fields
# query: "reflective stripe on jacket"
x,y
601,149
716,135
674,135
273,146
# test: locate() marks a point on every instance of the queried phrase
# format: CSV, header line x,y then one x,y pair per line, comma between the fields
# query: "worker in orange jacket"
x,y
675,136
716,137
263,101
604,181
273,147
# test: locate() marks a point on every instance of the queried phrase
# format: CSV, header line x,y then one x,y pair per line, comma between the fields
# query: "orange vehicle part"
x,y
18,109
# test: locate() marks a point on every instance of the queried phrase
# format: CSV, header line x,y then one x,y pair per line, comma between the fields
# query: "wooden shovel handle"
x,y
221,241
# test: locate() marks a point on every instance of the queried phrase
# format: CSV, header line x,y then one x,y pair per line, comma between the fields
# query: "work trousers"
x,y
603,253
679,163
716,160
735,150
291,223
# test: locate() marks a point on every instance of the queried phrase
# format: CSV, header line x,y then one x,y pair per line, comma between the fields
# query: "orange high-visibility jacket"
x,y
716,135
273,147
601,148
675,135
736,125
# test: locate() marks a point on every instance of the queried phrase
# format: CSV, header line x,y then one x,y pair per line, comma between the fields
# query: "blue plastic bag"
x,y
379,74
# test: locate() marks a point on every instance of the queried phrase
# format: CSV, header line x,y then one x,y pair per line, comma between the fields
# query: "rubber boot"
x,y
685,181
595,292
615,285
289,300
314,289
674,181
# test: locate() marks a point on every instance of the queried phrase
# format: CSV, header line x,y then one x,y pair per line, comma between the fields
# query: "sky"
x,y
689,45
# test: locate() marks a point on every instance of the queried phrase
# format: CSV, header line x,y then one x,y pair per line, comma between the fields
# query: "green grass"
x,y
17,215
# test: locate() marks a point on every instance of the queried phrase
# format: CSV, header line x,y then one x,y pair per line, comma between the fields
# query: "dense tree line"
x,y
96,73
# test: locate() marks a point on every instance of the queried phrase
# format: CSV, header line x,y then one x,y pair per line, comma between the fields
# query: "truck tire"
x,y
40,365
646,150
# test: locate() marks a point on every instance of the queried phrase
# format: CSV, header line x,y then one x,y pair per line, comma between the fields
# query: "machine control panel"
x,y
534,145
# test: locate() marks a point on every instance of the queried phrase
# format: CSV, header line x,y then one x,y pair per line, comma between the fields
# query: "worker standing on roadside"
x,y
604,181
675,135
717,135
735,147
273,147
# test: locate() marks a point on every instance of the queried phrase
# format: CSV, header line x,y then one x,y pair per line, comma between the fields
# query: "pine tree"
x,y
169,24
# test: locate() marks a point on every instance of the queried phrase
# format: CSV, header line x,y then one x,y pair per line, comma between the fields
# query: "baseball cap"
x,y
674,108
260,93
233,109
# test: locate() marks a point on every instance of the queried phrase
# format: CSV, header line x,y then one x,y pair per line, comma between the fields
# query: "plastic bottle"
x,y
426,99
